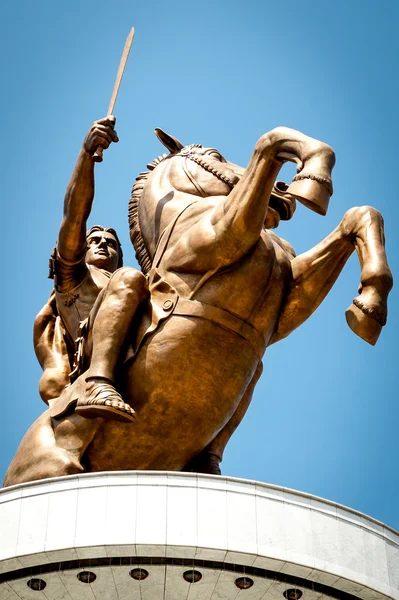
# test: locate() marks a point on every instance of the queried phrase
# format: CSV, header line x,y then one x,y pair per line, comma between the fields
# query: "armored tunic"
x,y
61,326
75,305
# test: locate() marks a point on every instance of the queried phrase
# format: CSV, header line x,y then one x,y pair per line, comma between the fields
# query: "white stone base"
x,y
169,523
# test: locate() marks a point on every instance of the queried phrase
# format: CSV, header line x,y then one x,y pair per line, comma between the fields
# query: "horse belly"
x,y
185,384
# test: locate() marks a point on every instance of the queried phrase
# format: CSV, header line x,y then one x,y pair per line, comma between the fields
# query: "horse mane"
x,y
142,256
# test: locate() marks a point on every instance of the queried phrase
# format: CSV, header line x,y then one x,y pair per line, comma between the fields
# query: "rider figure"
x,y
95,297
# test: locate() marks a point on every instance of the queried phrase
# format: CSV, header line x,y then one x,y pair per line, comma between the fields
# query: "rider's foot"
x,y
101,399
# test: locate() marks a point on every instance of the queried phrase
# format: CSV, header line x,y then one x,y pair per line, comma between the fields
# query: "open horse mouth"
x,y
284,204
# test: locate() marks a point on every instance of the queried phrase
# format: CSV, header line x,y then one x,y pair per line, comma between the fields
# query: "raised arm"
x,y
80,191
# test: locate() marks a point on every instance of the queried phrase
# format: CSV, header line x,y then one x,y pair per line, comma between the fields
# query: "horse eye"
x,y
215,154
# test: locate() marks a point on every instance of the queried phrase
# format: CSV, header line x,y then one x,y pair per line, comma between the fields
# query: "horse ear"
x,y
170,142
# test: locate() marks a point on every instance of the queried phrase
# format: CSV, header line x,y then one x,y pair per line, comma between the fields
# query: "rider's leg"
x,y
209,459
112,319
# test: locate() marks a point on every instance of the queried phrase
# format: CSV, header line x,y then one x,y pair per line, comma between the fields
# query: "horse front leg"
x,y
314,272
232,227
368,313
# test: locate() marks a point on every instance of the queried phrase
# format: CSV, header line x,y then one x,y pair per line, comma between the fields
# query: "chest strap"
x,y
165,237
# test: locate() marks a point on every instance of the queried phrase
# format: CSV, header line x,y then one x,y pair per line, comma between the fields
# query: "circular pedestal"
x,y
156,535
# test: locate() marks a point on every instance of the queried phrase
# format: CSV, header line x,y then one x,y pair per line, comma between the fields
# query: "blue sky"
x,y
324,416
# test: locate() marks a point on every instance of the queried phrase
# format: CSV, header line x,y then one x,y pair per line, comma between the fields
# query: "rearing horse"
x,y
223,288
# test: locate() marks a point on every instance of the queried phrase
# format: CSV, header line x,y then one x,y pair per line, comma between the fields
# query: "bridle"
x,y
199,160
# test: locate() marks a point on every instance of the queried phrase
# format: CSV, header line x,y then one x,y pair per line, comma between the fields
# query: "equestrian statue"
x,y
155,369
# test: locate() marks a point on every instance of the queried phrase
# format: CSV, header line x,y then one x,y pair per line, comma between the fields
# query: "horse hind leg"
x,y
39,456
368,313
208,461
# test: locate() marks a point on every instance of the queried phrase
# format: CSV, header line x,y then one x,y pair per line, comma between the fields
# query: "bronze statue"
x,y
222,288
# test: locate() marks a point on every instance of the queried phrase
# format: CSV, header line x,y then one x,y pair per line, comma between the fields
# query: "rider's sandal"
x,y
102,400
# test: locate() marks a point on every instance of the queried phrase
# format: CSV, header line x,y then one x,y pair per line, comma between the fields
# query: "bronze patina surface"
x,y
182,342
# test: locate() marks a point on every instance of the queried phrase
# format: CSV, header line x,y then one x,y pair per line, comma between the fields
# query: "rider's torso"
x,y
75,305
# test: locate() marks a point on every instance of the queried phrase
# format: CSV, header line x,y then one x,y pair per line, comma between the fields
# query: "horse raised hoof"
x,y
314,193
361,323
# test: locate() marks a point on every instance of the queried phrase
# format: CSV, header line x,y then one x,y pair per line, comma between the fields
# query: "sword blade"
x,y
98,154
119,75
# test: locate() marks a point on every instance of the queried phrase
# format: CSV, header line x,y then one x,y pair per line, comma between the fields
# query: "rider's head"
x,y
104,248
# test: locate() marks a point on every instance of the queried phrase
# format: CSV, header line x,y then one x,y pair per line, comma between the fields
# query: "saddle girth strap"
x,y
223,318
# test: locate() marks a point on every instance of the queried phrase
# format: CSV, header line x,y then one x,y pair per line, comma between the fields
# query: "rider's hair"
x,y
112,232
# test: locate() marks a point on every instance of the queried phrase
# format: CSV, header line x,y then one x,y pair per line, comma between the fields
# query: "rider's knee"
x,y
127,279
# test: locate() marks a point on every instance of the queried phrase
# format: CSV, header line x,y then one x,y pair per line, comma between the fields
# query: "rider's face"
x,y
102,251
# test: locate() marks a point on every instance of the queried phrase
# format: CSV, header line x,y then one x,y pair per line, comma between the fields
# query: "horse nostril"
x,y
281,186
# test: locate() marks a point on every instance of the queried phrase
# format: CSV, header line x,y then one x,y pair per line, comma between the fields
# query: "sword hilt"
x,y
98,154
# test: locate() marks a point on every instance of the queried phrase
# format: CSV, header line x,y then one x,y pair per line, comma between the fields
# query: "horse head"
x,y
197,170
187,173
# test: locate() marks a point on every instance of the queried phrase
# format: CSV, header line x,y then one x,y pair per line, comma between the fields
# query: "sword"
x,y
98,154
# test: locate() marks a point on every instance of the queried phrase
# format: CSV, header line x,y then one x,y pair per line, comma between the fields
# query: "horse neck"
x,y
159,204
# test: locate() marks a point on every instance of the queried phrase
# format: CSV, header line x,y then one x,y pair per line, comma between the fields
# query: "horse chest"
x,y
246,288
